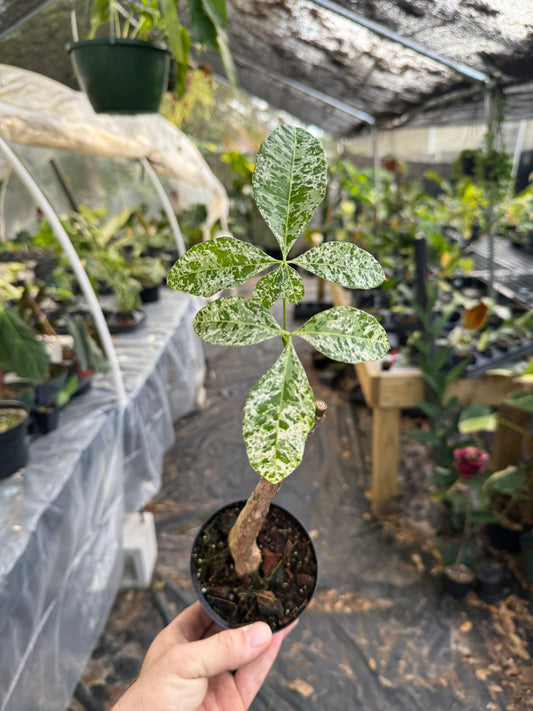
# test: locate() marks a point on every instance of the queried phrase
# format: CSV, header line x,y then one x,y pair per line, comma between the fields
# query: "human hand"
x,y
188,666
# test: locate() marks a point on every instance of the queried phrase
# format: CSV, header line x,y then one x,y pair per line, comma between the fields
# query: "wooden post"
x,y
385,451
508,442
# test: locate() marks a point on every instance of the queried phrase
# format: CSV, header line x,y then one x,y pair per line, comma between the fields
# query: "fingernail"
x,y
258,634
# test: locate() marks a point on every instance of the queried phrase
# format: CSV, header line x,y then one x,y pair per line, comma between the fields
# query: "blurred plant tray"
x,y
124,323
498,358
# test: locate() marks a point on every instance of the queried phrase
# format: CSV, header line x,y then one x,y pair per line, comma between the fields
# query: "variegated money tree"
x,y
289,182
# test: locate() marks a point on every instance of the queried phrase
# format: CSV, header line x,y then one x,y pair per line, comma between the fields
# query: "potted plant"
x,y
22,353
288,184
464,502
14,420
128,71
87,357
507,491
46,414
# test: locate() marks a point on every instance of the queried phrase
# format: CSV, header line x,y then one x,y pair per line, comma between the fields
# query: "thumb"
x,y
227,650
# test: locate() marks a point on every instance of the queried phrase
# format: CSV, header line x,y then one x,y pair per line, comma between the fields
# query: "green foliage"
x,y
278,415
342,263
218,264
88,353
21,352
289,182
67,391
112,250
443,412
288,185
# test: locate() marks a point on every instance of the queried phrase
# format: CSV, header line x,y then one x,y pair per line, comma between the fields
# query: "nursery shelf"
x,y
61,518
513,269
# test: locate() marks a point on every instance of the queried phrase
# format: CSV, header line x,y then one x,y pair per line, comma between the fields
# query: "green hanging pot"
x,y
121,76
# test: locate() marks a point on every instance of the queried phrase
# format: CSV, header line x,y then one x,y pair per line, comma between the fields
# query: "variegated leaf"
x,y
343,263
235,321
268,288
217,264
346,334
289,182
278,415
292,284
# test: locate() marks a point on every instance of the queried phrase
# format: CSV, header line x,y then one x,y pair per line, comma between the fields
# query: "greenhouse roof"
x,y
339,64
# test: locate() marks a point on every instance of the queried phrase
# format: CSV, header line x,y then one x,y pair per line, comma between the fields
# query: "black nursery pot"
x,y
490,583
149,294
47,420
458,579
14,451
280,591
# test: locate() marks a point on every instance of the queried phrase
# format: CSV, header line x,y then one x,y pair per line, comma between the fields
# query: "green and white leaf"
x,y
343,263
268,288
235,321
346,334
292,284
278,416
289,182
218,264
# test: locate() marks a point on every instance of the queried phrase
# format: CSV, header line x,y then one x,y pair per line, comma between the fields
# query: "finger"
x,y
192,623
230,649
249,678
189,625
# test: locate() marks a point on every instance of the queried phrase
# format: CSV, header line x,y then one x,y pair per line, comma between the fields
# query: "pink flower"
x,y
470,461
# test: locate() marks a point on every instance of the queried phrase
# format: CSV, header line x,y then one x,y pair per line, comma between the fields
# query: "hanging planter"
x,y
121,76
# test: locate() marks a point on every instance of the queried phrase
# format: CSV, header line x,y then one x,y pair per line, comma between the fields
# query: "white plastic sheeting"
x,y
61,520
38,111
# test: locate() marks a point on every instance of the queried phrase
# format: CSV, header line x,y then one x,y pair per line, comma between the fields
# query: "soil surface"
x,y
277,593
380,633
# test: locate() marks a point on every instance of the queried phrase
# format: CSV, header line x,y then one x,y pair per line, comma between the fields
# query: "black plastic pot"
x,y
85,383
149,294
231,601
526,545
46,420
46,391
14,452
503,539
490,583
124,76
458,579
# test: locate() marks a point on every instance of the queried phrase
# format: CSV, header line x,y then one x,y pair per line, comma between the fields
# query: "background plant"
x,y
155,19
288,184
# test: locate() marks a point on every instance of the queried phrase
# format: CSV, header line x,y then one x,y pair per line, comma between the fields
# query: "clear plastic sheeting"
x,y
61,518
38,111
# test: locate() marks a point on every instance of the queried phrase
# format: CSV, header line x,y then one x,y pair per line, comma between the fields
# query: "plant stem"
x,y
243,535
242,538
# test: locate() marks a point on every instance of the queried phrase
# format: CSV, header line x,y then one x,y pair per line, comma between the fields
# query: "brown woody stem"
x,y
242,538
243,535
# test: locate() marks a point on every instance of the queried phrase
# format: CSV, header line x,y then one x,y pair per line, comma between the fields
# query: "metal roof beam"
x,y
309,91
378,29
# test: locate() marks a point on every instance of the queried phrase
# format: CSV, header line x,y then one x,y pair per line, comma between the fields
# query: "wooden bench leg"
x,y
385,445
509,442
